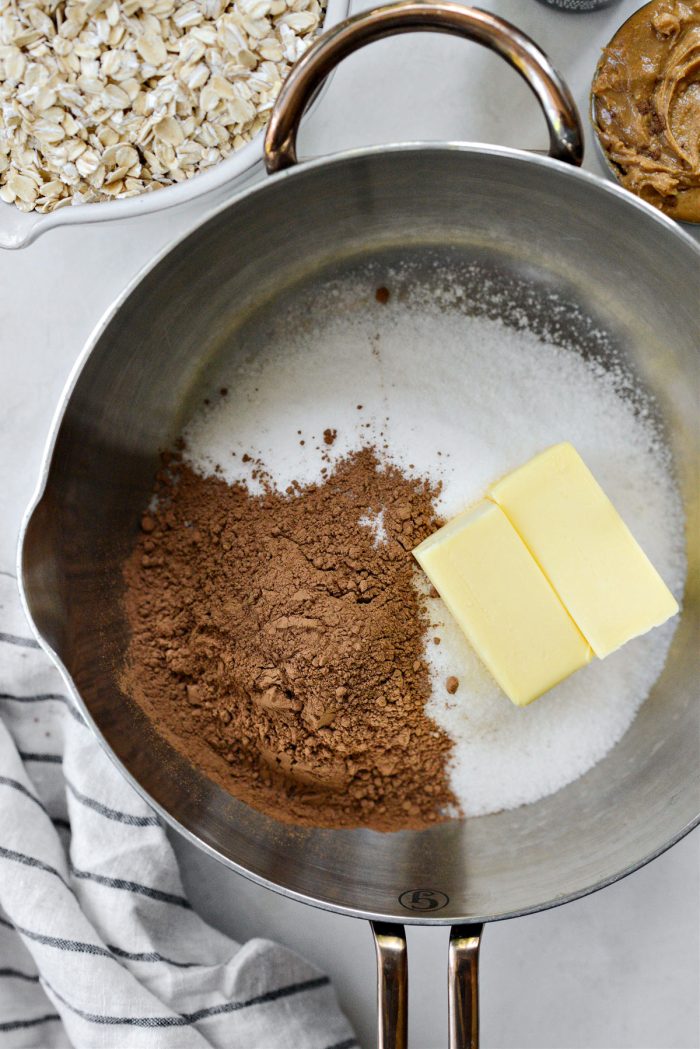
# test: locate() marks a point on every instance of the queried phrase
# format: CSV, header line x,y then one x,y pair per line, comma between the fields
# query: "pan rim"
x,y
302,170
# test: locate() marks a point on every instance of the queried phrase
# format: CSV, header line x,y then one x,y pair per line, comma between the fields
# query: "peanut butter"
x,y
646,106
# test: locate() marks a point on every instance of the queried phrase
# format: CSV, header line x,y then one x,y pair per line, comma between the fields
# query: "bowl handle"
x,y
392,985
408,16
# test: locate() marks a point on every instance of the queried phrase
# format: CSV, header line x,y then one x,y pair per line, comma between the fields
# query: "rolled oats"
x,y
101,99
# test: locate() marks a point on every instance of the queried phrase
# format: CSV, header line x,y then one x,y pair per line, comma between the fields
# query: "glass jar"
x,y
578,6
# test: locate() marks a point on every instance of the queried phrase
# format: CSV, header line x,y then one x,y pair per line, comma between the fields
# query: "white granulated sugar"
x,y
375,523
464,400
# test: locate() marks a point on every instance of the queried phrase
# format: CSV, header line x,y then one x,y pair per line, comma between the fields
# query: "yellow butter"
x,y
604,579
502,601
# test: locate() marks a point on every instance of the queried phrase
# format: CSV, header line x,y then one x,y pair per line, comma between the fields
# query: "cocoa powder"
x,y
278,642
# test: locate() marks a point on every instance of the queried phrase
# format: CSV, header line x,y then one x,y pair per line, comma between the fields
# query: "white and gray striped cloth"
x,y
98,945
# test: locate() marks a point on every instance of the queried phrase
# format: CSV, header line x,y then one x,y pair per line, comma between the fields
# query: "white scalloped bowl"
x,y
19,229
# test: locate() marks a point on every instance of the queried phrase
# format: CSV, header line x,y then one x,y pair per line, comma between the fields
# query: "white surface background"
x,y
619,969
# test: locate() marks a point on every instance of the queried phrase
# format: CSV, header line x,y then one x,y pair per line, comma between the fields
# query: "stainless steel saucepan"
x,y
533,223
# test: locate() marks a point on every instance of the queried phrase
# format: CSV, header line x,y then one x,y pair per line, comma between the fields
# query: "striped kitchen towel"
x,y
99,947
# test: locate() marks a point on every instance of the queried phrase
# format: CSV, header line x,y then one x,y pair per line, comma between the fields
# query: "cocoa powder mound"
x,y
278,642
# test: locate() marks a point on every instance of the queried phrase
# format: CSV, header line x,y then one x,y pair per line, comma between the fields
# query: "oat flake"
x,y
175,87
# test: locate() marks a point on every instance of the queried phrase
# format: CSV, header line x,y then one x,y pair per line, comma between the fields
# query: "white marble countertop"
x,y
618,969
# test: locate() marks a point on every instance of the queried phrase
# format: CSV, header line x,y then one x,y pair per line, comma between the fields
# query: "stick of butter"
x,y
503,602
605,580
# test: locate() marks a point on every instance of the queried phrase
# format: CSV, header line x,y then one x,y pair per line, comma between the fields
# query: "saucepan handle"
x,y
463,986
392,986
409,16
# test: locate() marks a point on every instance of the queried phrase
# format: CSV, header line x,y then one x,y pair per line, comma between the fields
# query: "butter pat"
x,y
603,577
502,601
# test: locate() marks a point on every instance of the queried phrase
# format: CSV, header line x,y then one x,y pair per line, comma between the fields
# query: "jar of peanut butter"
x,y
645,106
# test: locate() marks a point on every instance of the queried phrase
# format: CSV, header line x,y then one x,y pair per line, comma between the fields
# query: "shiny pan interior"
x,y
529,219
